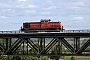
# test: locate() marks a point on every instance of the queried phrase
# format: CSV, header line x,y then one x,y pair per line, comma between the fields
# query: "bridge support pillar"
x,y
41,43
77,43
10,42
7,43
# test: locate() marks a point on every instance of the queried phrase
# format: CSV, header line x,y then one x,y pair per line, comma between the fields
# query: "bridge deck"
x,y
64,33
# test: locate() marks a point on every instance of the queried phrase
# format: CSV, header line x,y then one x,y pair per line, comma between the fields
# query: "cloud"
x,y
8,10
4,5
32,6
45,13
49,8
17,4
3,22
30,11
24,6
50,2
3,17
9,1
8,22
76,5
78,19
79,4
22,0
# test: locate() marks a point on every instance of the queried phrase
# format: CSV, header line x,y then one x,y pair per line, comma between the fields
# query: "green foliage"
x,y
15,58
72,58
5,58
55,50
44,58
77,58
24,58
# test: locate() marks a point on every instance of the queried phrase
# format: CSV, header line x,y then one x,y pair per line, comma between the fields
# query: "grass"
x,y
82,58
78,58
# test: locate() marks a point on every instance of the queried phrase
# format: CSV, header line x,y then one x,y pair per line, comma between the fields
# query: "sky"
x,y
74,14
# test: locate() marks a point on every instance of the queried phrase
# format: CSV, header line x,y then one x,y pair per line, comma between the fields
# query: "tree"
x,y
72,58
55,50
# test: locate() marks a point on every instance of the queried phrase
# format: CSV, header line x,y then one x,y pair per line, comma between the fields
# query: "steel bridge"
x,y
35,44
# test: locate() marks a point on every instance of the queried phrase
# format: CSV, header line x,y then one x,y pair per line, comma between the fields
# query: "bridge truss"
x,y
44,43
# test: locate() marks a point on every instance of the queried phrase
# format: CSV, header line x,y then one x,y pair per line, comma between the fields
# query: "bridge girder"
x,y
23,45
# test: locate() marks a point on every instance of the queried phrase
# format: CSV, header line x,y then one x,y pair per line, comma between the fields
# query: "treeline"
x,y
24,58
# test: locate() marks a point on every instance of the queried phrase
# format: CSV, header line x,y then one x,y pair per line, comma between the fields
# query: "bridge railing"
x,y
11,32
66,31
76,31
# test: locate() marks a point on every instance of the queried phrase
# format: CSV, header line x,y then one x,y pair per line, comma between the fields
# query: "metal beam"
x,y
9,51
7,44
83,47
51,45
13,51
67,45
33,45
2,48
77,43
10,42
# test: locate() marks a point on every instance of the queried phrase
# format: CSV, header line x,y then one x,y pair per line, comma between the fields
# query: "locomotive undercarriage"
x,y
26,30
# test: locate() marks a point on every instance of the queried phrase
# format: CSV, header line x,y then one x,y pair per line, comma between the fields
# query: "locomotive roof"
x,y
42,20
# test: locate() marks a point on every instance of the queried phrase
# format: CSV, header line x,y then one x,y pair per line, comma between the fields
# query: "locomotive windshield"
x,y
26,25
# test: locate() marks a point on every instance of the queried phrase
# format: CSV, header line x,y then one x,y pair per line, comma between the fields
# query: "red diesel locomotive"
x,y
43,25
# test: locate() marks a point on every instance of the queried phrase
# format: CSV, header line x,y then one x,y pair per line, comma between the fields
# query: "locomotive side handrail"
x,y
61,31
